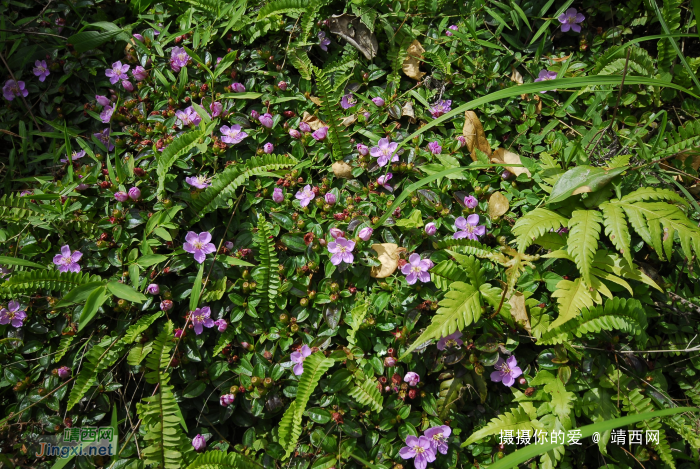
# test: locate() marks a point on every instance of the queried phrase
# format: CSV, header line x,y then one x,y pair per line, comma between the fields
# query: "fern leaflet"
x,y
221,460
583,240
534,224
337,133
266,273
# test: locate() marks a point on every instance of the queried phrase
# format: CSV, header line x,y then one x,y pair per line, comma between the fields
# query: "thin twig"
x,y
32,32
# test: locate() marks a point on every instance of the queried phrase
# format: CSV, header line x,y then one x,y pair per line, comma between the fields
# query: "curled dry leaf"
x,y
502,156
518,310
474,133
516,76
314,122
342,170
407,110
498,205
349,120
315,100
388,255
411,64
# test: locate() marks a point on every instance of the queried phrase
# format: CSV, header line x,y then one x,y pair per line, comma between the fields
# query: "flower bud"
x,y
268,148
282,85
153,289
336,233
121,196
277,195
330,198
378,101
64,372
165,305
430,229
304,127
362,149
294,133
389,362
365,233
134,193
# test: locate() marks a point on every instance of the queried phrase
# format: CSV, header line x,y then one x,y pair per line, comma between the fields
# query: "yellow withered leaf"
x,y
342,170
411,64
474,133
388,255
498,205
314,122
518,310
502,156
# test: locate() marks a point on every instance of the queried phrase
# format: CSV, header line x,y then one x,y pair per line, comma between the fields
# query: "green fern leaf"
x,y
63,347
616,229
53,280
447,272
646,194
266,273
221,460
367,394
315,366
300,59
635,403
141,325
223,188
97,359
534,224
159,358
460,307
138,353
281,7
684,138
572,298
181,145
584,233
470,247
357,316
612,62
17,208
516,419
337,132
671,14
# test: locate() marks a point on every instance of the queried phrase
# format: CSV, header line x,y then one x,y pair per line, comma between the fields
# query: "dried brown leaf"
x,y
388,255
314,122
411,65
474,133
498,205
502,156
342,170
518,310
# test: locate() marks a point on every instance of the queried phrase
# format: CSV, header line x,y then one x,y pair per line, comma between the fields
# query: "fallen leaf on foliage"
x,y
342,170
516,76
315,100
314,122
560,59
411,65
407,110
388,255
502,156
349,120
498,205
474,133
518,310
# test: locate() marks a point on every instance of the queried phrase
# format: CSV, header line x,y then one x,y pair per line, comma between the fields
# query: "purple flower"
x,y
166,305
470,201
384,182
430,229
336,233
76,155
117,72
200,182
199,443
178,58
412,378
389,362
127,85
365,233
102,100
121,196
416,269
268,148
103,137
438,437
277,195
254,115
216,108
41,70
546,75
304,127
106,114
305,195
450,29
570,19
266,120
324,41
238,88
435,148
227,399
200,319
294,133
13,88
13,315
134,193
420,449
282,85
298,358
188,116
378,101
199,245
440,108
330,198
385,151
177,333
341,249
138,37
63,372
462,141
221,324
348,101
139,73
233,134
153,289
452,340
506,371
468,228
67,261
505,174
228,245
362,149
320,134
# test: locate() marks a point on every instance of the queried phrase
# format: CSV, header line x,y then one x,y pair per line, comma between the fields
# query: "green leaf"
x,y
415,220
181,145
582,179
196,288
535,224
6,260
572,298
92,304
225,63
151,259
516,419
125,292
87,40
584,233
616,229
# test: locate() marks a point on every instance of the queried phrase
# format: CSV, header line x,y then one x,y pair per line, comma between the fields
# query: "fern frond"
x,y
63,347
584,233
224,186
635,403
671,13
281,7
616,229
159,358
53,280
367,394
357,315
300,59
266,273
220,460
138,353
447,272
315,366
141,325
460,307
179,146
337,132
516,419
686,137
215,7
17,208
646,194
468,246
534,224
612,62
98,358
572,298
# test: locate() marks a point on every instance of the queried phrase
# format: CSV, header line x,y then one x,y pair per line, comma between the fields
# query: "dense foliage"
x,y
316,234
